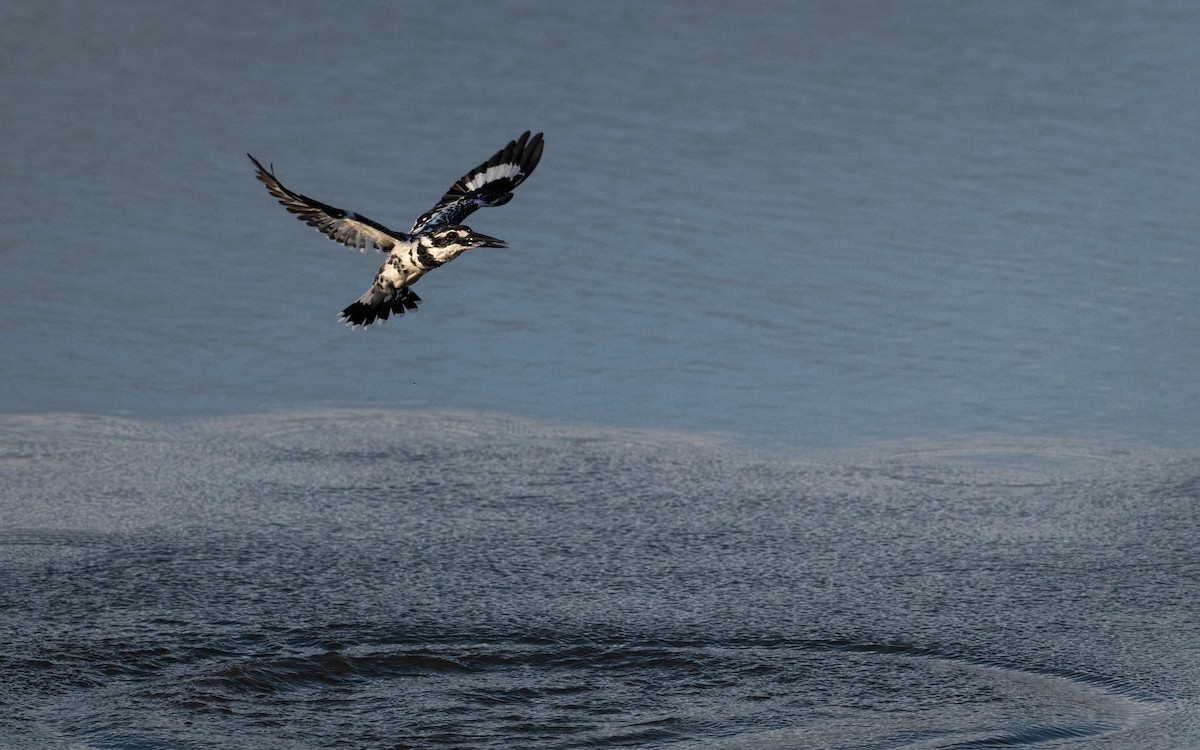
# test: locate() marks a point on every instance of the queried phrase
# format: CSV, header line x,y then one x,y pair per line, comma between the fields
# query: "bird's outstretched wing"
x,y
345,227
489,184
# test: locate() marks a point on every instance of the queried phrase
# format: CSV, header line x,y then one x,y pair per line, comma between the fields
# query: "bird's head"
x,y
463,238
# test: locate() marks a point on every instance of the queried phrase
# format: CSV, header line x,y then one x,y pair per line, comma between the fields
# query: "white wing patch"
x,y
498,172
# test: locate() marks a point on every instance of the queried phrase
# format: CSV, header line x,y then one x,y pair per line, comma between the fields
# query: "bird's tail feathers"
x,y
378,305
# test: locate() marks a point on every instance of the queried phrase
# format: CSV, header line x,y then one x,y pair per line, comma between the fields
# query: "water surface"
x,y
838,389
806,226
388,579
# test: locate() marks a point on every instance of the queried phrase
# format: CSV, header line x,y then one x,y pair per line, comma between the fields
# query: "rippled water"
x,y
392,579
837,390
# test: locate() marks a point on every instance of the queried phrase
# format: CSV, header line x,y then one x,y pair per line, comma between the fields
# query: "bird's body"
x,y
436,238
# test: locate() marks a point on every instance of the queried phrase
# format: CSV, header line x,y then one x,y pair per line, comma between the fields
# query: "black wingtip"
x,y
262,171
533,154
528,146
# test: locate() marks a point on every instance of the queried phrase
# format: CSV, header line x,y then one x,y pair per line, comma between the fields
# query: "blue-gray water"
x,y
838,389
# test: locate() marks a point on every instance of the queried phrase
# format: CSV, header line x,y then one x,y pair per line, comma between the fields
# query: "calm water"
x,y
838,389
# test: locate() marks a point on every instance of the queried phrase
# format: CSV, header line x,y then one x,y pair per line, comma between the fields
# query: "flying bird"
x,y
436,238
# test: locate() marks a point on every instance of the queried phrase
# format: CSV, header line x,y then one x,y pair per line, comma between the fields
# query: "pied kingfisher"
x,y
436,238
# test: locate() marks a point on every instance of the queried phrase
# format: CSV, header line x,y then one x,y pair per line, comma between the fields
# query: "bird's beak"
x,y
482,240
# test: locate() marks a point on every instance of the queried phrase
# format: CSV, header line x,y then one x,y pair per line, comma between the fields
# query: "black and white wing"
x,y
489,184
345,227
